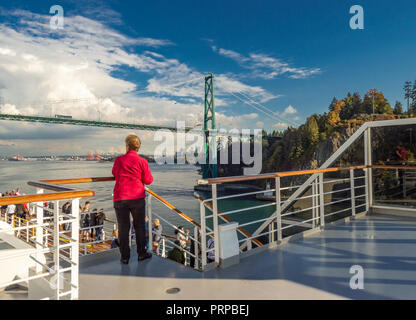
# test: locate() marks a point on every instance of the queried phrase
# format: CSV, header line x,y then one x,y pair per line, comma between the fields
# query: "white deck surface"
x,y
316,267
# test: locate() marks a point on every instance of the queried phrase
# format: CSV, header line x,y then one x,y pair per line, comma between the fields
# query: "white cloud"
x,y
289,110
77,65
280,125
267,67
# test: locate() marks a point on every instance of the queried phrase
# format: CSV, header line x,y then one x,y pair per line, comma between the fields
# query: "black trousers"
x,y
137,208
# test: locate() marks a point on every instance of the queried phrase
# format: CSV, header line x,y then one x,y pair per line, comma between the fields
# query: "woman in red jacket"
x,y
132,173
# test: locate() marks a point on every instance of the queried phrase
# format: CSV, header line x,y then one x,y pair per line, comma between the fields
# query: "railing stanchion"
x,y
56,249
39,231
321,199
367,200
352,186
314,204
163,248
149,216
278,209
368,171
215,221
196,248
75,249
203,236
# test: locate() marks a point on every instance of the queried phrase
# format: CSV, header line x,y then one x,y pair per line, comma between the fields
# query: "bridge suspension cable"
x,y
269,114
273,112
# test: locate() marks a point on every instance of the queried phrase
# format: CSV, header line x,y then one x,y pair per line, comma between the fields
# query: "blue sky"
x,y
291,56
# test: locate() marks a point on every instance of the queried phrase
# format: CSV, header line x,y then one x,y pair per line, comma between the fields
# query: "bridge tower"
x,y
210,168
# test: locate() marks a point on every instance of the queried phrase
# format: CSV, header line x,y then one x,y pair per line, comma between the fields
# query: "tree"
x,y
375,99
412,107
312,130
331,106
408,93
357,104
347,111
398,108
333,118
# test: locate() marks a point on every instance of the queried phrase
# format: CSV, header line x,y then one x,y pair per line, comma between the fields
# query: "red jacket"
x,y
132,173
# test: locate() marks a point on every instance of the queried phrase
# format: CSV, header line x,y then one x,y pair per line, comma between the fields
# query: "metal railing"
x,y
294,208
191,256
168,240
320,202
49,266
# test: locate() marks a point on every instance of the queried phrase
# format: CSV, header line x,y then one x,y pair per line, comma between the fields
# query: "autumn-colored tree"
x,y
376,99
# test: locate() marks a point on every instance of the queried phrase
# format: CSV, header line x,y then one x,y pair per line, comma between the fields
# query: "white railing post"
x,y
75,249
321,199
39,231
315,192
56,248
352,186
203,236
368,171
163,248
196,247
149,216
278,209
249,245
215,221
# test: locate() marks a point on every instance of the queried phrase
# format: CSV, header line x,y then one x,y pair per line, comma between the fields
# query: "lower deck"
x,y
316,267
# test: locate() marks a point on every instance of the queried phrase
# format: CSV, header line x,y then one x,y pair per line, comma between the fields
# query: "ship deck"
x,y
315,267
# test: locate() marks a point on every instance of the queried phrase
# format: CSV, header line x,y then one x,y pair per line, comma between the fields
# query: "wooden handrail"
x,y
46,197
54,183
276,175
168,236
173,208
79,180
392,167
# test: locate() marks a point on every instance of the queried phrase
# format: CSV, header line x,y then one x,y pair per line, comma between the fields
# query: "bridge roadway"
x,y
316,267
88,123
101,124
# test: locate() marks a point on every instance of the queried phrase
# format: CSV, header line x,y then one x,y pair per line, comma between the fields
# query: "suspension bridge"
x,y
209,121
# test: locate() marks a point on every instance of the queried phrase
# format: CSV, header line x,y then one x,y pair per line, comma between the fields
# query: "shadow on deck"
x,y
316,267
